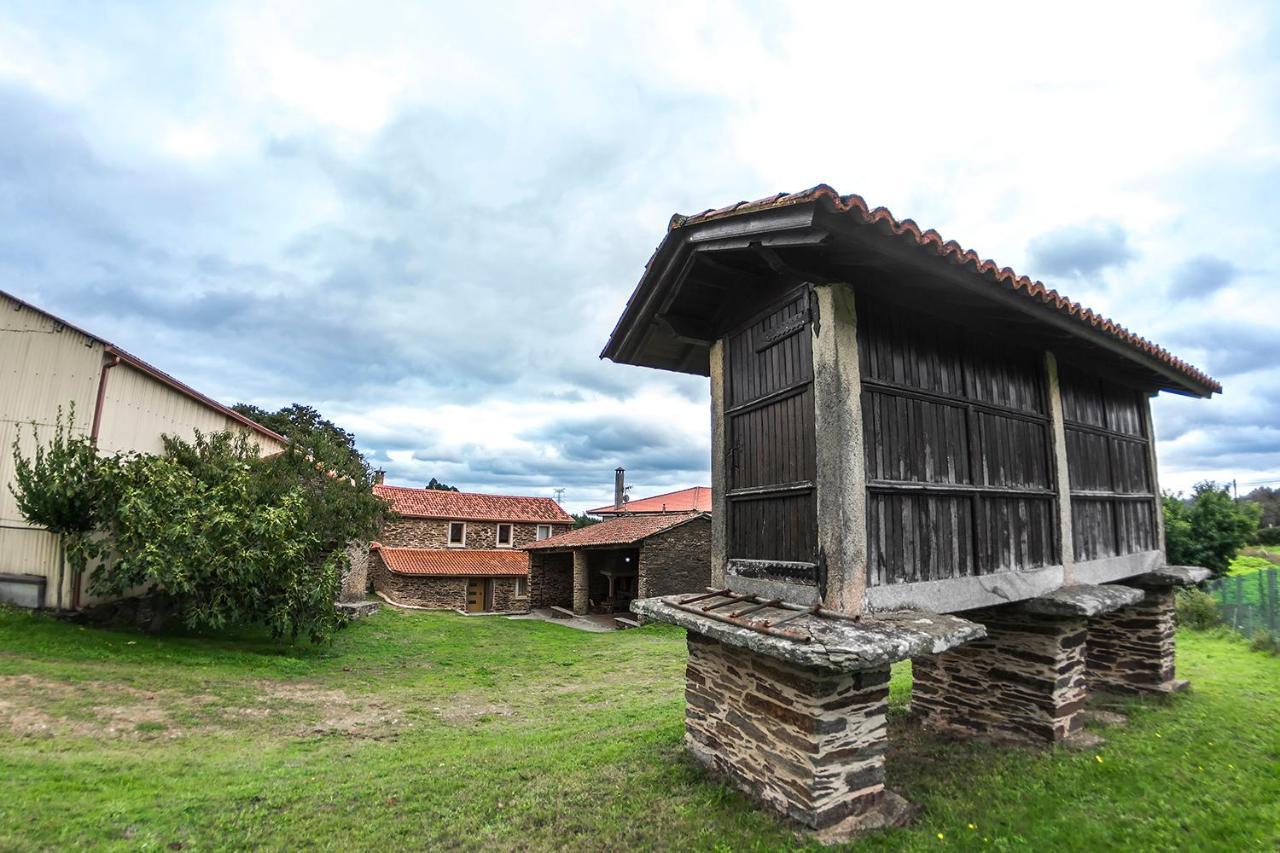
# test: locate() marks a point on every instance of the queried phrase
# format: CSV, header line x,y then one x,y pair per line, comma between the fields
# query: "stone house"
x,y
459,550
604,567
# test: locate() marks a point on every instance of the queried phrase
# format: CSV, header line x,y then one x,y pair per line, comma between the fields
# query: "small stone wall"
x,y
355,583
550,579
1132,649
505,599
676,561
1025,680
417,590
806,741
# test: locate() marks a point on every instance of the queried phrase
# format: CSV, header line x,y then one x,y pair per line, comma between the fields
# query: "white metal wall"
x,y
44,365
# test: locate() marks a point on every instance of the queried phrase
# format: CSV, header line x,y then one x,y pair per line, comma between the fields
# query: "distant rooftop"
x,y
621,530
471,506
695,499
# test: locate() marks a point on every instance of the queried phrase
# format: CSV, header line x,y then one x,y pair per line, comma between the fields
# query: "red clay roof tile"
x,y
623,530
455,563
469,506
930,240
697,498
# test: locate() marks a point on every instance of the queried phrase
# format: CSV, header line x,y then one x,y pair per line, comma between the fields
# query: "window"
x,y
457,533
522,587
504,535
544,531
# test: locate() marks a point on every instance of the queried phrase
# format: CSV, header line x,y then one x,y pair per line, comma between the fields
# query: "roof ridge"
x,y
955,253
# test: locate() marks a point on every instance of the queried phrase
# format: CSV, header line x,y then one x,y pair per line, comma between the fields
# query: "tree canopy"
x,y
308,429
1208,529
438,486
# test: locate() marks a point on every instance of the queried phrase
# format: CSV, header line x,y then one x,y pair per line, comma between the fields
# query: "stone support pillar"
x,y
1025,680
1131,650
580,586
806,741
719,475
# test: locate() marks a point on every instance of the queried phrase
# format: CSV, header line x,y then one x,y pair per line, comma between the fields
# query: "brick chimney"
x,y
379,476
619,488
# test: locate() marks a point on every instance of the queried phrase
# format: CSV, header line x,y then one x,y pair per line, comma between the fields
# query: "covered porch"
x,y
586,579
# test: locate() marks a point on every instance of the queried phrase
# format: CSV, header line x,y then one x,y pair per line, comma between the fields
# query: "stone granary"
x,y
915,454
604,567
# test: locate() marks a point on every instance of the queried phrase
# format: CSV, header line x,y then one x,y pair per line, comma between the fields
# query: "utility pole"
x,y
559,496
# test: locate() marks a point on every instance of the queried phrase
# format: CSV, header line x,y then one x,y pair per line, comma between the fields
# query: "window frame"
x,y
511,534
550,532
462,543
522,588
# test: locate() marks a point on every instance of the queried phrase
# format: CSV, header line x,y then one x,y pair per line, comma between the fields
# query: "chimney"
x,y
619,488
379,476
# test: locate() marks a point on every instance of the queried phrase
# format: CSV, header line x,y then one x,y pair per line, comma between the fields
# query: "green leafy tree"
x,y
58,489
438,486
1208,529
306,428
584,520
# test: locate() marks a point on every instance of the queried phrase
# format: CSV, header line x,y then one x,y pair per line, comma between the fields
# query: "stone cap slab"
x,y
821,639
1171,576
1081,600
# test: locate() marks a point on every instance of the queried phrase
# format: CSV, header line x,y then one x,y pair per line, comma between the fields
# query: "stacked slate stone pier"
x,y
902,434
797,718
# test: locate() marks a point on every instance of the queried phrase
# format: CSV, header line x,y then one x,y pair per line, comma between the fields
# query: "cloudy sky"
x,y
424,218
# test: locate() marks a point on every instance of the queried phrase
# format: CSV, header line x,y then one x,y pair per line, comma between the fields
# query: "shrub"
x,y
1197,609
1265,642
1267,536
1207,530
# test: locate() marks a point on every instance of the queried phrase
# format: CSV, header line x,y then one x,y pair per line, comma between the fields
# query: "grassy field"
x,y
435,731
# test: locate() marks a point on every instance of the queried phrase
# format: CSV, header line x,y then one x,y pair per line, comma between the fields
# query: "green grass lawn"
x,y
433,731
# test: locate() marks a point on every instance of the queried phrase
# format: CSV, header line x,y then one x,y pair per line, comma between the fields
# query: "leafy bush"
x,y
1207,530
216,535
58,489
1264,641
1197,609
1267,536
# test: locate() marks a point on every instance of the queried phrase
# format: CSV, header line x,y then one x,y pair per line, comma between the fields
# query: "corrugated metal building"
x,y
120,400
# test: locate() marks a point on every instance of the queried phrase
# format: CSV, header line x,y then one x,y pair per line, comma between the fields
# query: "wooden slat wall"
x,y
957,443
770,448
1113,503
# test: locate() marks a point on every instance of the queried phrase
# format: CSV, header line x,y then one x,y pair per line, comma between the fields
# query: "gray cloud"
x,y
1080,250
1202,276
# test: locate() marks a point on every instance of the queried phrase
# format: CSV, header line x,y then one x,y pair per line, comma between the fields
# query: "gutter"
x,y
109,361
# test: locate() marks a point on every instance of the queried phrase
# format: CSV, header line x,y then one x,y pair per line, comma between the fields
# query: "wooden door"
x,y
770,464
477,595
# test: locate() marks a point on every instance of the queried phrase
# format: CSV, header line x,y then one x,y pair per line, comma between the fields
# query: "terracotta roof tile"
x,y
623,530
469,506
931,241
454,563
697,498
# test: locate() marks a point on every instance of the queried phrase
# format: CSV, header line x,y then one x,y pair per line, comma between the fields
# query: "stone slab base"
x,y
1024,681
893,811
807,742
1131,650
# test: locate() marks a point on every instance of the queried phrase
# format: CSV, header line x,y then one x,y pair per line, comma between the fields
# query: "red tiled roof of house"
x,y
454,563
470,506
622,530
695,499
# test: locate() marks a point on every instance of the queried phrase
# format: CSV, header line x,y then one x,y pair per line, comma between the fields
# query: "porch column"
x,y
1062,482
580,582
719,476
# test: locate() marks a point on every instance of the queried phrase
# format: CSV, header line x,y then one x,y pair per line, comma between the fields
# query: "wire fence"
x,y
1250,603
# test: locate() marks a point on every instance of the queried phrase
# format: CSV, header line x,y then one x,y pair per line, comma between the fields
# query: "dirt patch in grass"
x,y
35,707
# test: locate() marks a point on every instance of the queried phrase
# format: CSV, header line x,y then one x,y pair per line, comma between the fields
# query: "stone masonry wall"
x,y
1132,649
434,533
677,560
505,599
1025,680
805,741
550,579
418,591
355,583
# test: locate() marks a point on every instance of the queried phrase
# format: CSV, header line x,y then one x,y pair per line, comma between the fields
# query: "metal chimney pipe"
x,y
619,487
